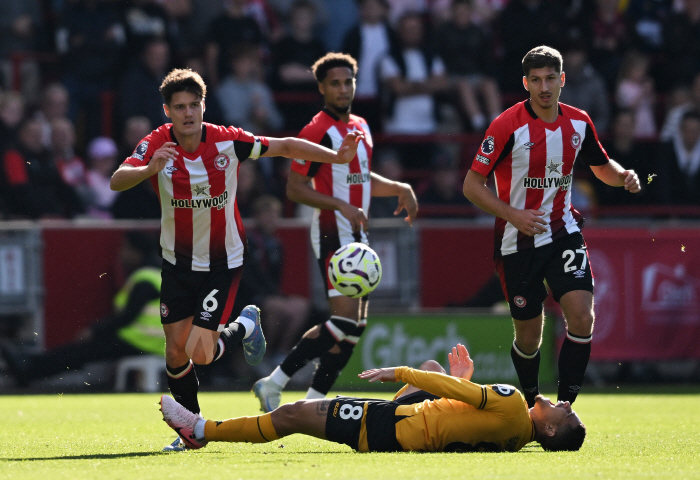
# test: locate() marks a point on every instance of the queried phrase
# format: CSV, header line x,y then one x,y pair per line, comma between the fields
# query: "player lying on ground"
x,y
435,412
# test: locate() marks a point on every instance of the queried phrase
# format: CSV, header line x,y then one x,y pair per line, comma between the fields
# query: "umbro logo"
x,y
170,170
528,145
579,273
205,315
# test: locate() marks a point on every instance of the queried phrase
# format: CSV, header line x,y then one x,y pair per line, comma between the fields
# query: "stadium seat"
x,y
150,370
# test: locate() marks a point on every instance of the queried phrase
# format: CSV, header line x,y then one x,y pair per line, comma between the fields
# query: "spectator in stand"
x,y
141,201
387,163
102,153
413,74
20,24
285,316
681,49
369,41
635,90
678,168
145,20
30,182
585,87
467,50
70,166
399,8
54,105
610,39
138,90
445,187
293,56
250,186
245,99
625,148
646,23
525,24
226,33
11,115
674,115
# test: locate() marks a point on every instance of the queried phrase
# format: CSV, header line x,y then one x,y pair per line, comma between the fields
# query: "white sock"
x,y
248,324
313,394
199,429
279,377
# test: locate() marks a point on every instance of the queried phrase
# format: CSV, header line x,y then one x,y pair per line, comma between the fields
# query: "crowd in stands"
x,y
79,87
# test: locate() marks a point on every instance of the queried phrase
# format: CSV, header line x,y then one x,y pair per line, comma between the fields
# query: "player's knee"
x,y
199,355
581,324
432,366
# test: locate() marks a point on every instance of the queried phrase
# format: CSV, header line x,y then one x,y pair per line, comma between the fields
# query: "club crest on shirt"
x,y
488,145
221,162
140,150
576,140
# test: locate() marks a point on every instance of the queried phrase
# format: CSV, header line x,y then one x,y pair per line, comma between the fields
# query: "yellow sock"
x,y
243,429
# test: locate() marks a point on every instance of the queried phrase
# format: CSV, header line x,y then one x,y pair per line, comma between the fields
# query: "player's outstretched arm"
x,y
303,149
461,364
383,187
527,221
128,176
614,175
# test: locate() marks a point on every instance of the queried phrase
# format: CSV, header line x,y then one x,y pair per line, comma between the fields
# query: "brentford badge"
x,y
222,162
164,310
520,301
576,140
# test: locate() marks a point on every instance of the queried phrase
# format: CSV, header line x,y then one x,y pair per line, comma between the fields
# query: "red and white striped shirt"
x,y
532,162
350,182
201,227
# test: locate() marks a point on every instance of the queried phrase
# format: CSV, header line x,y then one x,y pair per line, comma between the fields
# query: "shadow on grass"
x,y
101,456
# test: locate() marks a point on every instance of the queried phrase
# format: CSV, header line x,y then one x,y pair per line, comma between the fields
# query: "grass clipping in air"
x,y
121,437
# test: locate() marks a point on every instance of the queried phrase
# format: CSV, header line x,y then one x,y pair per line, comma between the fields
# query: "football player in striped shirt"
x,y
435,412
530,149
340,195
193,167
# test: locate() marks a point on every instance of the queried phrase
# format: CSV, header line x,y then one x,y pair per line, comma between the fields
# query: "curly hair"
x,y
332,60
182,80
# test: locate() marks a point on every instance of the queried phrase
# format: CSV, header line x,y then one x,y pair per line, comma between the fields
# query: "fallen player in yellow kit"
x,y
435,412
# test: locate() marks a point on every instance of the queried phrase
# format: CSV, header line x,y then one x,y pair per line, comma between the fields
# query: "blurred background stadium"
x,y
79,88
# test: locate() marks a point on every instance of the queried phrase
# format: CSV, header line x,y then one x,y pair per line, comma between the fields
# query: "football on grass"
x,y
355,270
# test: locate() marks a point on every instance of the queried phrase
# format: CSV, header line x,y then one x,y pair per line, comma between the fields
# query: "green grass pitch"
x,y
53,437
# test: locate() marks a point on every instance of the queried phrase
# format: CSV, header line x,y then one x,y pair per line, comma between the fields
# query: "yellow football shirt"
x,y
469,417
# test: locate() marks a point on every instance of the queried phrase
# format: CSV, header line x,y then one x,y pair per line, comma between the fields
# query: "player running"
x,y
340,195
531,149
435,413
193,167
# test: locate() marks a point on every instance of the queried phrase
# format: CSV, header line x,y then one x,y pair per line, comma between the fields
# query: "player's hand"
x,y
461,364
379,375
348,149
356,217
630,180
408,202
528,221
161,156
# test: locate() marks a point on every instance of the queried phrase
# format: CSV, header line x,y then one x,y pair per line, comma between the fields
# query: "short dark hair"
x,y
541,57
182,80
332,60
567,438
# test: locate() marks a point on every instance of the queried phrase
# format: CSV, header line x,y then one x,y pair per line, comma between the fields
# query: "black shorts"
x,y
208,296
564,264
366,424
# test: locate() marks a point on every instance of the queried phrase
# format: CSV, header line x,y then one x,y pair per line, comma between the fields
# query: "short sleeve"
x,y
248,145
143,152
497,143
592,152
305,167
